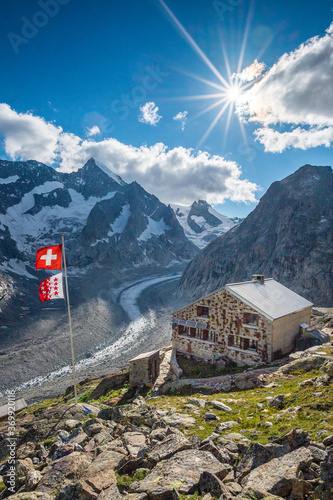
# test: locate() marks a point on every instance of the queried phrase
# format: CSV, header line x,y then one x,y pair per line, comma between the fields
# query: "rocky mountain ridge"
x,y
202,224
105,220
288,236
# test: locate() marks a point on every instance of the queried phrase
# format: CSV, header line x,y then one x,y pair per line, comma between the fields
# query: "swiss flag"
x,y
51,288
49,257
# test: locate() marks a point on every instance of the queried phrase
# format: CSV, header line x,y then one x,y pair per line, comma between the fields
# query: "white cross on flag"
x,y
49,257
51,288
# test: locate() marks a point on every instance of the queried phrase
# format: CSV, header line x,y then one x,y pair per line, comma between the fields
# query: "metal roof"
x,y
144,355
271,299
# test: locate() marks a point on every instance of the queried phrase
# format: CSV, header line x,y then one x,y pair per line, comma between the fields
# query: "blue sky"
x,y
88,79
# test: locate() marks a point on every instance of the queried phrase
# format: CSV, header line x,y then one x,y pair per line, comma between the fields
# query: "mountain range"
x,y
288,236
105,220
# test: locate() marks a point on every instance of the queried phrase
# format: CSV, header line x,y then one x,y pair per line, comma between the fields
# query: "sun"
x,y
233,93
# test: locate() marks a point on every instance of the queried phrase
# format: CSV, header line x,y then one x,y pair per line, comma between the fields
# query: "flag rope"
x,y
69,317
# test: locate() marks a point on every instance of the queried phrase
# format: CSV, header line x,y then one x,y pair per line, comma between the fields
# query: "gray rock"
x,y
209,483
225,426
63,435
328,441
210,417
134,441
258,454
218,405
181,472
277,402
281,475
318,454
171,445
294,438
197,402
178,420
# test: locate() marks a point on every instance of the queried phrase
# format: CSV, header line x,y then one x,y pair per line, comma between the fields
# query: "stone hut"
x,y
247,322
144,369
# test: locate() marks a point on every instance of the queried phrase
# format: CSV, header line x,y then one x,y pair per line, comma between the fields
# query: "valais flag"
x,y
51,288
49,257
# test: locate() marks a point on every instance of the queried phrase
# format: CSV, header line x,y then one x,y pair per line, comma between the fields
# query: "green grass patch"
x,y
315,414
124,480
2,486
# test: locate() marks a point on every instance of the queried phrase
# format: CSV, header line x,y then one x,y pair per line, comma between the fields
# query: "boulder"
x,y
282,475
209,483
61,472
226,426
328,441
134,441
294,438
325,490
277,402
258,454
309,363
33,479
165,449
178,420
135,414
201,403
181,472
218,405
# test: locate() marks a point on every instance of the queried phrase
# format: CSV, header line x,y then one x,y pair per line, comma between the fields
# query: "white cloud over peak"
x,y
149,114
181,117
93,131
174,175
296,91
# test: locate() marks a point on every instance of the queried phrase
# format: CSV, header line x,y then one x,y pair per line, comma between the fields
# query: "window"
x,y
211,336
254,345
203,311
244,343
193,332
204,334
250,319
181,329
230,340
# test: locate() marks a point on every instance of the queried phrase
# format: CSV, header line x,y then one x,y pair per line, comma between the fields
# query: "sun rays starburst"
x,y
230,89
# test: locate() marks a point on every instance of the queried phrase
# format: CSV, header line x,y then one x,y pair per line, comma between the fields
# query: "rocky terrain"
x,y
269,439
202,224
289,237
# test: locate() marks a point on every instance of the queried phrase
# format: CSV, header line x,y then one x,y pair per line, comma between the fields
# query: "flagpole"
x,y
69,317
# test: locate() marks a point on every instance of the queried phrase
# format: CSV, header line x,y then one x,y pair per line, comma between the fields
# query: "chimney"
x,y
259,277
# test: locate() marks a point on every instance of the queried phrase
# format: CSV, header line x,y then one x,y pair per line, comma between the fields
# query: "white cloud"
x,y
28,136
149,114
176,175
93,131
182,117
296,91
250,73
277,142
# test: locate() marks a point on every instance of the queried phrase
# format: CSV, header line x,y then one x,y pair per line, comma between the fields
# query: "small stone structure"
x,y
247,322
144,369
20,404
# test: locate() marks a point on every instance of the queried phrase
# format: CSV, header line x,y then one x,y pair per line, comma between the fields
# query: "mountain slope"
x,y
289,236
201,223
104,219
